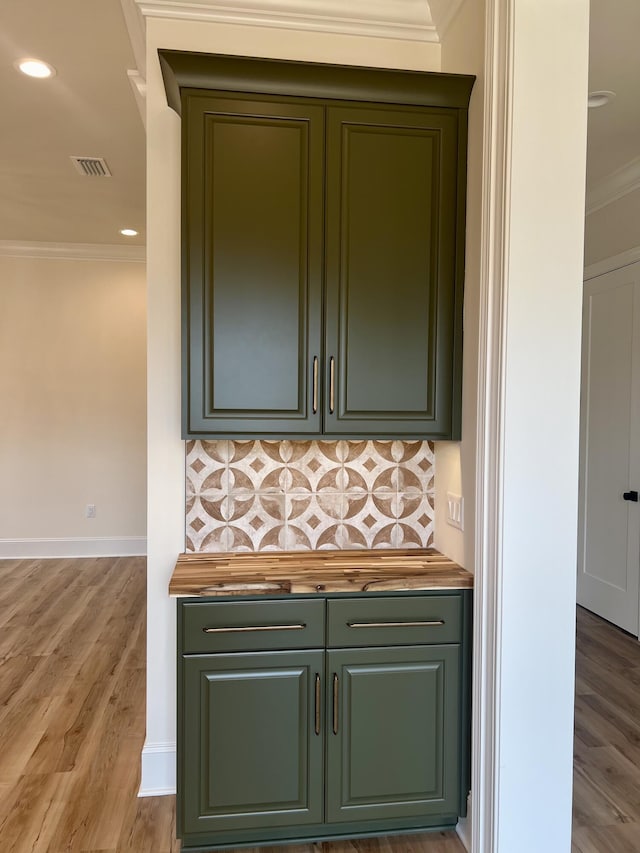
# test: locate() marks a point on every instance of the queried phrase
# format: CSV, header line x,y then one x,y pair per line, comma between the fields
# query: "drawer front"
x,y
394,621
236,626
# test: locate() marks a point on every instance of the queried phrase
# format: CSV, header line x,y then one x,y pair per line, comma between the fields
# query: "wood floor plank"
x,y
606,804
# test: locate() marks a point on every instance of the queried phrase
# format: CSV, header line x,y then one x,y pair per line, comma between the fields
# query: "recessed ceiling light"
x,y
35,68
128,232
600,99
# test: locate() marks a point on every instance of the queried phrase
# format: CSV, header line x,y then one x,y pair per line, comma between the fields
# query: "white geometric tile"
x,y
298,495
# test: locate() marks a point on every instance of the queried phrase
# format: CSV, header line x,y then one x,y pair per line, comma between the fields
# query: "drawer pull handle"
x,y
434,624
243,629
335,703
317,704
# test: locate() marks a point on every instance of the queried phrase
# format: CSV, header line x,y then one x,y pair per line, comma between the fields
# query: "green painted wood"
x,y
400,760
252,237
346,618
319,833
396,751
251,755
187,70
254,256
391,265
466,695
197,616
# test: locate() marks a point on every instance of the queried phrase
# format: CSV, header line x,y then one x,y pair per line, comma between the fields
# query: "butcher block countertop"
x,y
303,572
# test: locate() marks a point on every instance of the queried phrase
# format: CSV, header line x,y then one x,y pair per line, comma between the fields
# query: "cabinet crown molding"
x,y
188,70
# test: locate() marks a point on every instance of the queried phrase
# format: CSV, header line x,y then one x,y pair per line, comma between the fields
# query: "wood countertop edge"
x,y
270,573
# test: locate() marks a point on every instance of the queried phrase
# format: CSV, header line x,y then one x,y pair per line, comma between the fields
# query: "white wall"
x,y
463,53
73,426
166,482
613,229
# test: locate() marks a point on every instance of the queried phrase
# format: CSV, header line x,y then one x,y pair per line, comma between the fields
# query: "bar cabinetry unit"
x,y
315,717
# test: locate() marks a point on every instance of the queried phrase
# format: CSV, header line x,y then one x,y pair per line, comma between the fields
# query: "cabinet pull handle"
x,y
335,703
315,384
395,624
242,629
317,715
332,372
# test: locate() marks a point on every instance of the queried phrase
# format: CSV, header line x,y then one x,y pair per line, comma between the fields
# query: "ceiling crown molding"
x,y
615,186
402,19
72,251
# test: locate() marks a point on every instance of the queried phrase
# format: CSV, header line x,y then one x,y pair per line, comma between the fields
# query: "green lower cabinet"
x,y
251,755
392,748
299,745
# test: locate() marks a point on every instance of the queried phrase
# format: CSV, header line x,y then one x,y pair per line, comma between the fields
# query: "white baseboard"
x,y
158,770
106,546
463,827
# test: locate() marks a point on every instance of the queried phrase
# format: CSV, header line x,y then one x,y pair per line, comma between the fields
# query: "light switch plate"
x,y
455,510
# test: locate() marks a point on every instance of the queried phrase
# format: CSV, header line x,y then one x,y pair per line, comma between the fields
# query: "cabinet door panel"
x,y
253,223
391,270
251,755
396,750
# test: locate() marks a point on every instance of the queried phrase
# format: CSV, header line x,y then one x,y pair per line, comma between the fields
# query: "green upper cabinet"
x,y
392,336
253,225
323,248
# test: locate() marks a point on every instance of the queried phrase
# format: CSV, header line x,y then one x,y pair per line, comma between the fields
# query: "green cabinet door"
x,y
393,271
252,746
252,257
393,733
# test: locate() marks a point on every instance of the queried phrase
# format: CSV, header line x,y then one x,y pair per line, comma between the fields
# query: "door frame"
x,y
532,239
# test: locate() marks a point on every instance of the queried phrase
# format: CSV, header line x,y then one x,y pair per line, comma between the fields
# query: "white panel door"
x,y
609,526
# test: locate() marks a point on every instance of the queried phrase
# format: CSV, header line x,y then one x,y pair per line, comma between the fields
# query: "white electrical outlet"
x,y
455,510
90,511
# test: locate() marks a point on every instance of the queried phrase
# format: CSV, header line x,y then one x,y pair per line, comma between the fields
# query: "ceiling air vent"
x,y
91,167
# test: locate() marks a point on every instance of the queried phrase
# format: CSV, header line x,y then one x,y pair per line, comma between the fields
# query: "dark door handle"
x,y
630,496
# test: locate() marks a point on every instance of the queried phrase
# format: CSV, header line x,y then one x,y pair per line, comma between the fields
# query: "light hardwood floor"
x,y
72,657
607,739
72,706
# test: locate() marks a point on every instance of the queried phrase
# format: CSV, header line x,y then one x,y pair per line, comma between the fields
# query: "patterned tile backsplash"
x,y
299,495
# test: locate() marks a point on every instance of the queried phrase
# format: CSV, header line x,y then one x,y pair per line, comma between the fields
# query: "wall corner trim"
x,y
158,762
615,262
490,452
444,13
72,251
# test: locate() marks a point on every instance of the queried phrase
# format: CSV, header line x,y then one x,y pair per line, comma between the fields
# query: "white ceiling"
x,y
89,108
614,65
